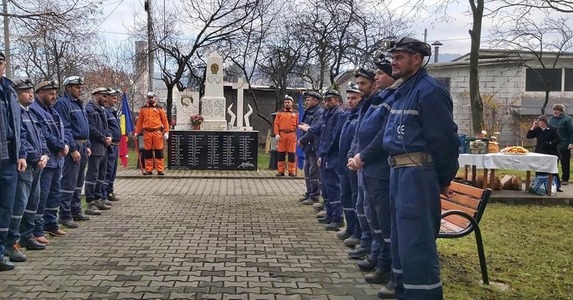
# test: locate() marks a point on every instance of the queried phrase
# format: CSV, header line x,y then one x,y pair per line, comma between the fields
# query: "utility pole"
x,y
150,44
6,37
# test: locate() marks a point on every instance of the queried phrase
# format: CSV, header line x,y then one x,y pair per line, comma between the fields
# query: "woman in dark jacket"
x,y
547,140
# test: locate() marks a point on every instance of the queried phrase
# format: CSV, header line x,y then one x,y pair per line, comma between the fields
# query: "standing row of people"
x,y
46,144
383,163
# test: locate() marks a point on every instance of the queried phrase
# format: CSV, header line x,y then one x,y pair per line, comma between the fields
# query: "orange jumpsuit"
x,y
285,125
152,121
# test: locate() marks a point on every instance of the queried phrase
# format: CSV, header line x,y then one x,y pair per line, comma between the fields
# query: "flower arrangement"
x,y
196,120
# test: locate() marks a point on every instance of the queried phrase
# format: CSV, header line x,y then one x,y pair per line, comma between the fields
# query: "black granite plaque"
x,y
212,150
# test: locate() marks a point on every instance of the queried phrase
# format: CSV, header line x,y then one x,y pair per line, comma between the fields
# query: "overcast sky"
x,y
453,34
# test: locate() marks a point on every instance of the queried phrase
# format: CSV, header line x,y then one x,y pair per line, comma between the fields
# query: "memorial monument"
x,y
213,102
213,147
187,105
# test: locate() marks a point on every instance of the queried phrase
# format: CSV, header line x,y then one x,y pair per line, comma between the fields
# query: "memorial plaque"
x,y
213,150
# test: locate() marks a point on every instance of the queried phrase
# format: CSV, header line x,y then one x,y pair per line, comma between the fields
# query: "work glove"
x,y
166,136
278,137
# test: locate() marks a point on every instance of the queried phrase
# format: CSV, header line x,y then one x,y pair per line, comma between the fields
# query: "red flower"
x,y
196,119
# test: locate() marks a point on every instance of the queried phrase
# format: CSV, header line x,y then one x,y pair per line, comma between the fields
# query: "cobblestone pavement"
x,y
194,238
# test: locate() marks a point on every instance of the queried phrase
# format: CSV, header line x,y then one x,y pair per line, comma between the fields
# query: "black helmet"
x,y
412,45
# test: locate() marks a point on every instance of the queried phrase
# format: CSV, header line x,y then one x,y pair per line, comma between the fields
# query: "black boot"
x,y
367,264
380,275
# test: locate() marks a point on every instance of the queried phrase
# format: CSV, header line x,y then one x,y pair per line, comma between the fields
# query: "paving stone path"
x,y
194,238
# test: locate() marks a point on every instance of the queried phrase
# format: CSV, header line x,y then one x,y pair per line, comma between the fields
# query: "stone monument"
x,y
240,86
213,102
187,105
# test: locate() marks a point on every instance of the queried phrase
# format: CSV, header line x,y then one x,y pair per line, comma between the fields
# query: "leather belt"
x,y
114,143
415,159
286,130
152,129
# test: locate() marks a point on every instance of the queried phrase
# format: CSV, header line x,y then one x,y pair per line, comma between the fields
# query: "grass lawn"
x,y
528,250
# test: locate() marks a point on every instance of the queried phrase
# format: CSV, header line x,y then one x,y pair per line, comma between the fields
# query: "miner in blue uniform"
x,y
373,160
107,192
52,129
365,81
329,132
312,113
10,162
100,139
35,151
46,218
348,179
422,140
71,110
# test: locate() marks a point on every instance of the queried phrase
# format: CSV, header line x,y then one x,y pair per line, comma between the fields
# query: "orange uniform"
x,y
152,121
285,125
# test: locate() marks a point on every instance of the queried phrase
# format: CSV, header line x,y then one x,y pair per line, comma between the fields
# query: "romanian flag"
x,y
126,125
299,151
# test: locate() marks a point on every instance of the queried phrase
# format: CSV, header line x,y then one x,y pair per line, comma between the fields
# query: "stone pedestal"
x,y
213,103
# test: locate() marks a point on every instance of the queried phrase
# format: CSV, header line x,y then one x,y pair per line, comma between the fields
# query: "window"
x,y
568,79
534,79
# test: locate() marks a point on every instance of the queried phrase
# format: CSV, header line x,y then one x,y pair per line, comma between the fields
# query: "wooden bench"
x,y
461,213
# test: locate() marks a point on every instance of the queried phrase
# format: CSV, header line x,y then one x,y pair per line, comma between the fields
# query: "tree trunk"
x,y
169,103
476,102
545,102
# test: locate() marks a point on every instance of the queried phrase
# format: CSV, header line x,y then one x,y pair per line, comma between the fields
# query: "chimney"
x,y
436,45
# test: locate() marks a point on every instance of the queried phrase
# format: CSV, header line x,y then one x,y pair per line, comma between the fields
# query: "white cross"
x,y
240,86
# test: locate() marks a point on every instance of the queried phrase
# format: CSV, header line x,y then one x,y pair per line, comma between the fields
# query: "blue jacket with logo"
x,y
347,131
369,136
98,128
33,140
53,130
75,120
311,116
421,120
113,124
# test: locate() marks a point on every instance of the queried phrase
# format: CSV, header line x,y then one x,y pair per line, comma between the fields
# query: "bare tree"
x,y
47,47
545,41
208,26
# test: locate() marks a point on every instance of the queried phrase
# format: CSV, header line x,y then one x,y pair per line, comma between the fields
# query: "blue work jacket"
x,y
421,120
33,140
347,131
53,130
98,128
11,119
369,136
113,124
75,120
329,132
311,116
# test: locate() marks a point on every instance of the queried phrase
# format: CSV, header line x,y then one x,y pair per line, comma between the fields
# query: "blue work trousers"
x,y
8,179
348,195
331,193
26,203
415,210
47,213
311,175
95,176
111,172
73,176
366,241
378,217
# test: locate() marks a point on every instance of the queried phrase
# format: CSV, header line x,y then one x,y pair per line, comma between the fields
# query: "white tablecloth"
x,y
529,162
